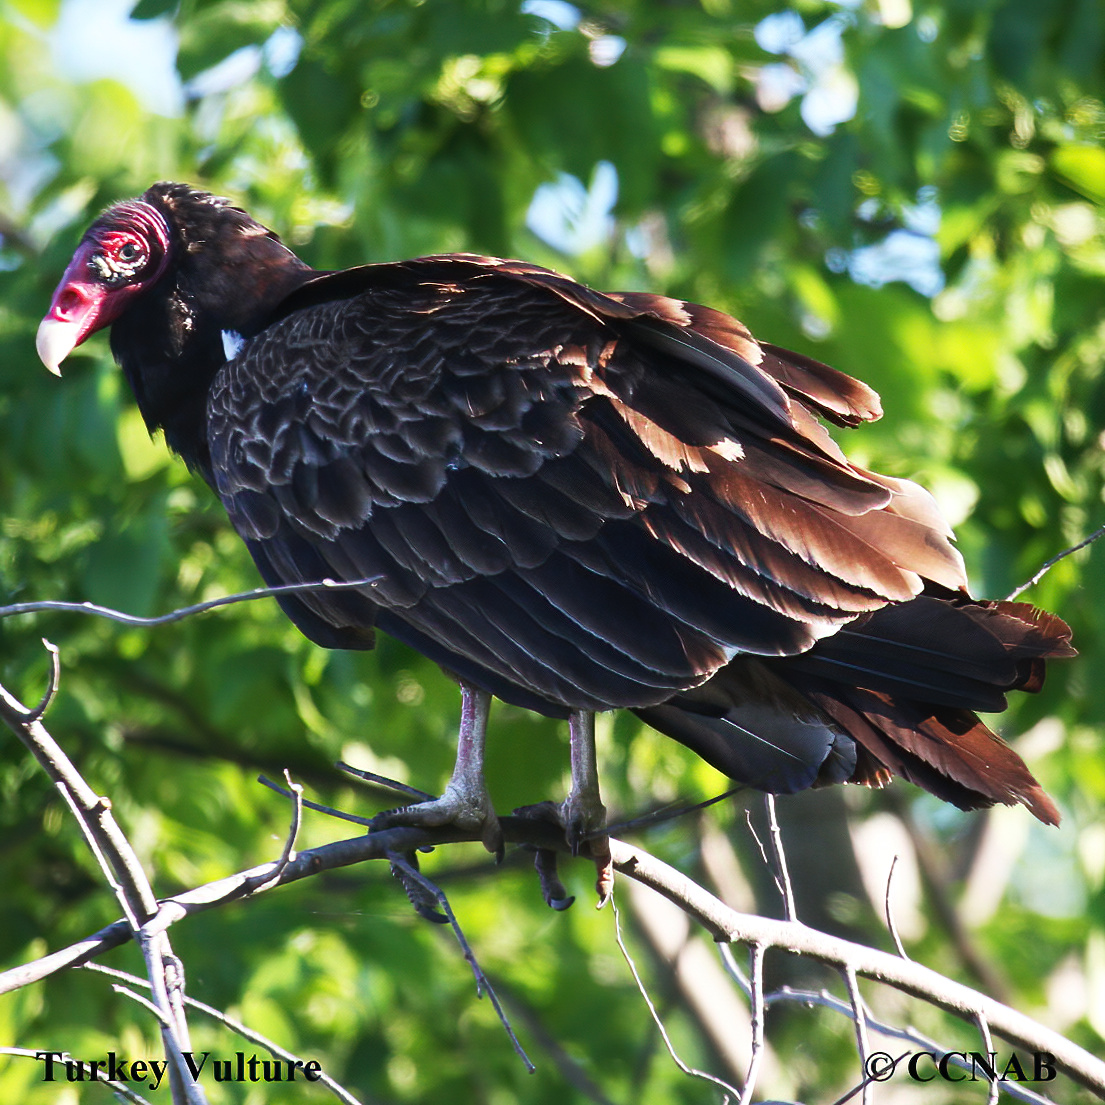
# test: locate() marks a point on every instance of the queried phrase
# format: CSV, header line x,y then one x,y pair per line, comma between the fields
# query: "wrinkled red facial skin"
x,y
82,299
119,256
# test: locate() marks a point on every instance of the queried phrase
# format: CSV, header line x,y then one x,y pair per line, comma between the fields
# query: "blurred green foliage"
x,y
388,128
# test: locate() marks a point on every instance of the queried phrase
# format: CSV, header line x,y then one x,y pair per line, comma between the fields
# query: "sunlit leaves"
x,y
1082,167
41,12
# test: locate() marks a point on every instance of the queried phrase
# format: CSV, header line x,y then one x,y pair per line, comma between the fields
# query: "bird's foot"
x,y
584,825
469,811
584,819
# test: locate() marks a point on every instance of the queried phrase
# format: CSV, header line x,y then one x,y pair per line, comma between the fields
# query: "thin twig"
x,y
37,713
830,1001
909,977
139,999
482,983
758,1011
383,781
783,877
856,1006
655,1015
890,912
175,1036
125,1093
318,807
297,820
777,872
721,922
859,1017
669,812
988,1044
733,969
886,1065
185,611
121,867
1049,564
295,793
760,844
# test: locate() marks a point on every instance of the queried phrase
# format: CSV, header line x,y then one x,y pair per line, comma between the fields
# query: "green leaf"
x,y
220,29
713,64
576,114
324,106
152,9
125,567
1081,168
815,294
757,213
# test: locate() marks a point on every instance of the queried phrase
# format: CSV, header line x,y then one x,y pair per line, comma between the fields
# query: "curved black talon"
x,y
552,889
545,859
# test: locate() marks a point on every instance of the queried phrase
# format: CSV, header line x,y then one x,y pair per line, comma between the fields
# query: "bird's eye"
x,y
119,260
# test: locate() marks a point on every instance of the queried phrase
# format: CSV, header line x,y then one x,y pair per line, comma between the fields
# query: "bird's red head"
x,y
123,252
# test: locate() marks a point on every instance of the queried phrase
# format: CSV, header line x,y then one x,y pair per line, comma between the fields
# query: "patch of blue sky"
x,y
780,32
815,69
571,217
908,254
561,14
97,38
278,55
93,39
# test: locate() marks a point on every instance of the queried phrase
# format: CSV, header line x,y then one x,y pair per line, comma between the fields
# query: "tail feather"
x,y
948,752
942,652
894,693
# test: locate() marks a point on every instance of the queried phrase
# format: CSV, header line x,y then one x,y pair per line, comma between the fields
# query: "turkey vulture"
x,y
571,500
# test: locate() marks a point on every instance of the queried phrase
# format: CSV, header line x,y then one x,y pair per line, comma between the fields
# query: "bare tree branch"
x,y
318,807
859,1017
782,874
295,793
905,975
185,611
37,713
988,1046
147,920
723,924
121,1089
910,1035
